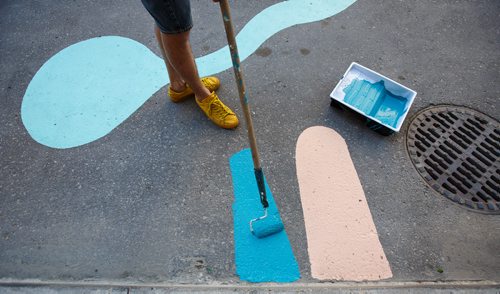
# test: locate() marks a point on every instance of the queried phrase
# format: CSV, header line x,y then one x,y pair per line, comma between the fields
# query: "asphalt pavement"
x,y
151,201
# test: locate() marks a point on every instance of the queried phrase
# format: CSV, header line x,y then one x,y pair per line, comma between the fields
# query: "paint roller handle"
x,y
233,48
259,176
231,40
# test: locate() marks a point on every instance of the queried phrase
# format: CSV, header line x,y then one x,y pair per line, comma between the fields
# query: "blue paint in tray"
x,y
269,259
378,98
376,101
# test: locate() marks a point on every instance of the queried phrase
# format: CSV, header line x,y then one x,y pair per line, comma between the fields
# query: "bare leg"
x,y
180,63
176,82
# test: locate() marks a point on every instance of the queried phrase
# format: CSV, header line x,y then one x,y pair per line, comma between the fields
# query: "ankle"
x,y
178,86
202,95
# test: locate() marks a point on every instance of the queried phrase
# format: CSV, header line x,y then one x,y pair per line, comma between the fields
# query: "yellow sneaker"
x,y
211,83
217,112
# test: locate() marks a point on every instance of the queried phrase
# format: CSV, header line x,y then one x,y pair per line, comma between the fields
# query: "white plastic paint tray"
x,y
384,102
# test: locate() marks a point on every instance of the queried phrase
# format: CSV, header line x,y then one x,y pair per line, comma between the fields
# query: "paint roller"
x,y
268,224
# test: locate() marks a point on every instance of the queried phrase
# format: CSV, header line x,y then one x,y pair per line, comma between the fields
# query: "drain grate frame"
x,y
456,150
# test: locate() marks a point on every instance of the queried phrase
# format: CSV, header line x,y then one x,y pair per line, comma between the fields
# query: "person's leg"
x,y
182,67
176,82
173,21
180,58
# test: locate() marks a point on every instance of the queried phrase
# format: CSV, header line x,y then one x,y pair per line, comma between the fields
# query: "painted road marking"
x,y
342,239
87,89
269,259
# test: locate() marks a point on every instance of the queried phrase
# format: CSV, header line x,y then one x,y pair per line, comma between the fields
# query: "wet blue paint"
x,y
86,90
376,101
257,260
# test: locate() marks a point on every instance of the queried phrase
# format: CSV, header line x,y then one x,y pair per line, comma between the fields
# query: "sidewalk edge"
x,y
274,286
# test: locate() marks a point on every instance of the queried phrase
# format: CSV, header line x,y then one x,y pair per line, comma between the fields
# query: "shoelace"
x,y
208,83
218,108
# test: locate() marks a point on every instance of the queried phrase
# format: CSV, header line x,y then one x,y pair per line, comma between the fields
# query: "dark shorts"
x,y
171,16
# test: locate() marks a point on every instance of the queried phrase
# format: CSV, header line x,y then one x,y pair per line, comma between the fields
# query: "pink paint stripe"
x,y
342,239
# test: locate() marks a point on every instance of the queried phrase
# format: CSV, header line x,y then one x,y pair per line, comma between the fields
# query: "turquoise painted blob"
x,y
87,89
267,23
268,259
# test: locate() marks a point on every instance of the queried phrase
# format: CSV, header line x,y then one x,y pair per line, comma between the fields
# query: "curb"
x,y
261,286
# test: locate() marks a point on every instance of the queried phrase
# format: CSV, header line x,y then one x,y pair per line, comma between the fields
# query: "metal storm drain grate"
x,y
457,150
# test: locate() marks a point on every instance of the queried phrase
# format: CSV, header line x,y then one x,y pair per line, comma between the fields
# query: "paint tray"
x,y
384,102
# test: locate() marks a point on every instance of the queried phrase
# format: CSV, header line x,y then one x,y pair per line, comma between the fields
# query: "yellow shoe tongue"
x,y
217,108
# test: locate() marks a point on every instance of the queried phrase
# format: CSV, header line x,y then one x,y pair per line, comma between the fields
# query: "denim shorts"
x,y
171,16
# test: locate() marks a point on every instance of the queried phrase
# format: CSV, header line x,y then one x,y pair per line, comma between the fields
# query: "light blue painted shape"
x,y
86,90
268,259
376,101
267,23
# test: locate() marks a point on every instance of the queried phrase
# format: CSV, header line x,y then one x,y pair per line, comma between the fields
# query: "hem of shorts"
x,y
176,31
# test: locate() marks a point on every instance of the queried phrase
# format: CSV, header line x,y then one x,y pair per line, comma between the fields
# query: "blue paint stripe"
x,y
269,259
